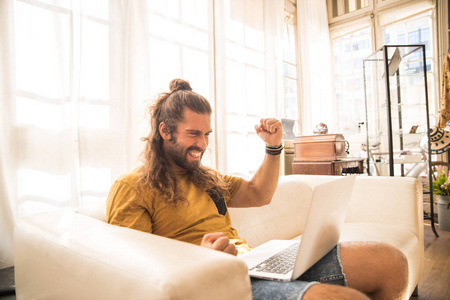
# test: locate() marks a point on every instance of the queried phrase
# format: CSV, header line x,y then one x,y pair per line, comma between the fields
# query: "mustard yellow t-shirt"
x,y
187,222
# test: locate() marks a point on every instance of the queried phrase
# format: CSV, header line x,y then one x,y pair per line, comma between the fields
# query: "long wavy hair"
x,y
155,173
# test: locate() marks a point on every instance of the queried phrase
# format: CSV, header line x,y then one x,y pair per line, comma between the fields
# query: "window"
x,y
248,69
223,49
50,120
84,70
417,30
349,51
353,35
245,97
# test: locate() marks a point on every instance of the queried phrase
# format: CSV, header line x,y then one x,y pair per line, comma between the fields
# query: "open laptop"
x,y
323,225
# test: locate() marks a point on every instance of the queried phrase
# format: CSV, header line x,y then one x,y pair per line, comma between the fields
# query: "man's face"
x,y
187,145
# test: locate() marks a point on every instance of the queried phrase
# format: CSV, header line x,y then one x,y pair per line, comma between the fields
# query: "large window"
x,y
85,70
245,80
357,33
250,83
61,101
228,51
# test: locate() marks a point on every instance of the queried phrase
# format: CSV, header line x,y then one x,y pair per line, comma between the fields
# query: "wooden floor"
x,y
435,281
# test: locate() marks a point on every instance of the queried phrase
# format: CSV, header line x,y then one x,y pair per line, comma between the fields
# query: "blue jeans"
x,y
327,270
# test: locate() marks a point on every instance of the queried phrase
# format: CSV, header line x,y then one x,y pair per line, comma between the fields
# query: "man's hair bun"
x,y
179,85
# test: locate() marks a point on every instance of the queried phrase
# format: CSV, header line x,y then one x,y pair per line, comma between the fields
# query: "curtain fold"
x,y
8,212
315,85
249,83
74,78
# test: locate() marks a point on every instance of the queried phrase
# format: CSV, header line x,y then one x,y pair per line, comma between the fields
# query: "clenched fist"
x,y
270,131
218,241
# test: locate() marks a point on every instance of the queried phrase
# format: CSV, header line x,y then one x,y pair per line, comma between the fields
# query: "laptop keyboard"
x,y
280,263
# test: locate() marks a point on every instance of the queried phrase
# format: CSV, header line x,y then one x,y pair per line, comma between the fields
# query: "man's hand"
x,y
218,241
270,131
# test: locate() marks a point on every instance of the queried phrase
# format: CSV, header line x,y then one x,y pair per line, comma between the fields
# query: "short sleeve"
x,y
124,208
234,185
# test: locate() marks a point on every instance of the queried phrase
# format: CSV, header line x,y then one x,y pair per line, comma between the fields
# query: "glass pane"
x,y
179,44
396,114
48,34
349,52
415,31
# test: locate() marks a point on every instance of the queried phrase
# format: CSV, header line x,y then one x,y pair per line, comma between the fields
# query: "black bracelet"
x,y
274,150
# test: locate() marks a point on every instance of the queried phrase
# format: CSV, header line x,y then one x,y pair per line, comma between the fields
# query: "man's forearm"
x,y
265,180
260,189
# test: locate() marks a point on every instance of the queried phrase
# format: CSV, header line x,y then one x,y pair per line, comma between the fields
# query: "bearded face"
x,y
184,146
186,158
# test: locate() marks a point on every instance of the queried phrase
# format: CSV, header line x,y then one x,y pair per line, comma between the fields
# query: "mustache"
x,y
195,148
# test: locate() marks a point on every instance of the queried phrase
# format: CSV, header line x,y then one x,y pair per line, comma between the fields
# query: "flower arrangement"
x,y
441,185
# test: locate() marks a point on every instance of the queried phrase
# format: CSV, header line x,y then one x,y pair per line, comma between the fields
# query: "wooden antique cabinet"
x,y
323,154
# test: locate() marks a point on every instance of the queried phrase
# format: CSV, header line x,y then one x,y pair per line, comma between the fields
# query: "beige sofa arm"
x,y
396,201
65,255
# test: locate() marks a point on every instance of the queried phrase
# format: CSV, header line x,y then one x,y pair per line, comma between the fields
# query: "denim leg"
x,y
327,270
279,290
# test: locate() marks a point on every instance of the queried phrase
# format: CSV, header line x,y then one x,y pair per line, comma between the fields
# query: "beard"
x,y
179,155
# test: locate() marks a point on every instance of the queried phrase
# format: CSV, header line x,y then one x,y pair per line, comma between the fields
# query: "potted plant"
x,y
441,187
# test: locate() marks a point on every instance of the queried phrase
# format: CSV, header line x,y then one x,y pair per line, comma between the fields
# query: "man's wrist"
x,y
274,150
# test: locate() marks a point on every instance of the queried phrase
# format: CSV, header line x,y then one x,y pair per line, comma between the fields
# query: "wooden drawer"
x,y
317,168
338,167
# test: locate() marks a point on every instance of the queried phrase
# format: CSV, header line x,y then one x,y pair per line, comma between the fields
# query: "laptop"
x,y
321,233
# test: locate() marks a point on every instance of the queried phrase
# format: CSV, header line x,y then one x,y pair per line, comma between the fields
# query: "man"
x,y
173,195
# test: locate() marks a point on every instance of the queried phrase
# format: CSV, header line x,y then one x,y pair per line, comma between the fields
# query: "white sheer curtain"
x,y
8,213
72,81
75,77
316,103
249,78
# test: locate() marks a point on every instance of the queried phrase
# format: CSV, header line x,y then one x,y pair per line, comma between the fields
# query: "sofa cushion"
x,y
96,210
283,218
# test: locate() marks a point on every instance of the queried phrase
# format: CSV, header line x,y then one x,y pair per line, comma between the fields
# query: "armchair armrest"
x,y
65,255
396,201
